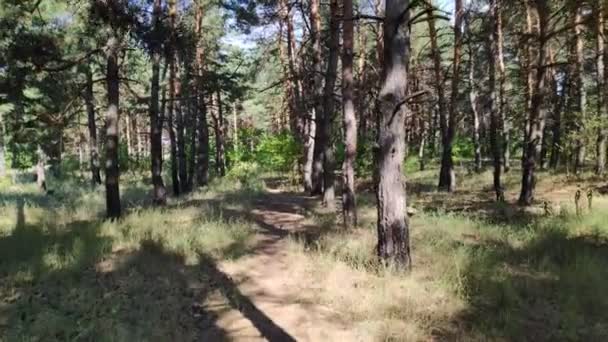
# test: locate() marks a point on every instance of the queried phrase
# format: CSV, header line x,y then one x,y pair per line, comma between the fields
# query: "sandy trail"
x,y
270,296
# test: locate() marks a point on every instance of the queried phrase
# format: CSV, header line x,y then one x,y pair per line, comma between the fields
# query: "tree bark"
x,y
329,106
536,113
502,114
40,171
602,138
393,225
220,160
447,176
474,100
349,207
2,149
496,99
112,128
581,94
92,126
156,121
202,173
317,60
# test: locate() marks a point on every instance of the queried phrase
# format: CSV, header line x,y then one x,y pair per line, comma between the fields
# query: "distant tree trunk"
x,y
535,121
2,149
128,136
602,138
581,94
192,135
473,98
112,128
219,138
156,117
202,173
447,176
438,82
91,123
349,207
329,106
40,172
393,225
317,61
496,99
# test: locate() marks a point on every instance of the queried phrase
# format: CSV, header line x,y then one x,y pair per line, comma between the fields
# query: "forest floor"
x,y
265,262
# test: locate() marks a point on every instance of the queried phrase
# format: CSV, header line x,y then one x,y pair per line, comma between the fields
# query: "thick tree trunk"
x,y
112,122
500,63
349,207
317,61
329,106
92,125
156,122
496,99
536,113
447,176
202,163
581,94
393,225
179,126
602,138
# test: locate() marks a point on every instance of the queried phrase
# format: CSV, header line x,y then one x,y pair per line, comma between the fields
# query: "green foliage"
x,y
248,173
278,152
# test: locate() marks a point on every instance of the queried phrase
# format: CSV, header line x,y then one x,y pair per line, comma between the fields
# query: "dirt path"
x,y
271,295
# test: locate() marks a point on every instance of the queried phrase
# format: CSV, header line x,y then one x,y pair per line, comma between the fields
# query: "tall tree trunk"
x,y
156,121
219,138
437,73
447,176
173,141
473,98
393,225
317,61
112,128
329,106
92,125
581,94
496,98
602,138
2,149
535,121
202,164
349,207
500,63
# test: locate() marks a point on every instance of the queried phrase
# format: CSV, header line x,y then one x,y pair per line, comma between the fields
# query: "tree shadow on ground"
x,y
547,290
72,284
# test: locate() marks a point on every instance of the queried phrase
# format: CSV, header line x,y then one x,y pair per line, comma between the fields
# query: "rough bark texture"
x,y
501,78
113,206
175,181
92,126
447,176
536,113
474,100
495,100
602,138
317,58
329,106
580,93
156,122
349,208
393,225
202,164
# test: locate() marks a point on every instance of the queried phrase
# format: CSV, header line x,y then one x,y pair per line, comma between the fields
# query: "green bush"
x,y
277,152
247,173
